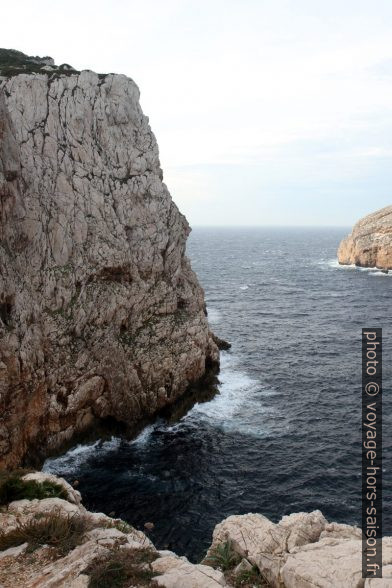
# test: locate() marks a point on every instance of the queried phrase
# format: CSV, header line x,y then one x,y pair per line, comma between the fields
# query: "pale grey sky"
x,y
265,111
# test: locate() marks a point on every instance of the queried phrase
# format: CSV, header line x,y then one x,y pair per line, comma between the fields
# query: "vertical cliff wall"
x,y
101,314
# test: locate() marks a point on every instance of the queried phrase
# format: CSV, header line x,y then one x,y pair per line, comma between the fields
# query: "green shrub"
x,y
222,556
63,532
122,568
13,487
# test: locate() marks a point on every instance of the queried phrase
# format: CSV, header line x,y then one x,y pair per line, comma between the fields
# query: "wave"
x,y
214,315
239,406
374,271
144,437
78,456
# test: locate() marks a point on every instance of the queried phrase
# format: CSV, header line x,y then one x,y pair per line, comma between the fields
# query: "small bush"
x,y
13,487
222,556
61,532
121,568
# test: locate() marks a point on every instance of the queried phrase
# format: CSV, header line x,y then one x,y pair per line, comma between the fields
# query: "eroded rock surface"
x,y
370,243
101,314
302,550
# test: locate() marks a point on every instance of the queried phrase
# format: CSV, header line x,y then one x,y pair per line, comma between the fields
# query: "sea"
x,y
283,433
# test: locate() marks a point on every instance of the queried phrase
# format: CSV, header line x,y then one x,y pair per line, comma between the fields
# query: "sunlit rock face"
x,y
101,314
370,243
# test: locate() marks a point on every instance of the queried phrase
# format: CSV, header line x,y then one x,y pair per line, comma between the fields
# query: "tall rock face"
x,y
101,314
370,243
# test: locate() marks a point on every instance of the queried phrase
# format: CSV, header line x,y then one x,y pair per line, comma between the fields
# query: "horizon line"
x,y
231,226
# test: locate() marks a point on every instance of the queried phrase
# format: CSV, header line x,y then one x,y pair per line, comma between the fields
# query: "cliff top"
x,y
14,62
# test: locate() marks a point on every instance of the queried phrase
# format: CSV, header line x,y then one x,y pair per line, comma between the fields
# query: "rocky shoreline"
x,y
370,243
53,541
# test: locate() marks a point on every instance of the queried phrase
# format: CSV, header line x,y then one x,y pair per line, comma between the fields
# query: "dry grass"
x,y
63,533
122,568
247,579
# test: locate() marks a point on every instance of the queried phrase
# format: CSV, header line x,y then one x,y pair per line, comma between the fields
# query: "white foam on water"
x,y
77,456
234,386
245,287
374,271
239,405
214,315
144,437
333,263
381,273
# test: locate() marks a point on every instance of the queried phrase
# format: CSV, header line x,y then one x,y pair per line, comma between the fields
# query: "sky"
x,y
266,112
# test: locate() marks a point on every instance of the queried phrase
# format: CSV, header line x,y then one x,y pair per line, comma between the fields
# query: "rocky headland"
x,y
370,243
101,316
103,320
50,540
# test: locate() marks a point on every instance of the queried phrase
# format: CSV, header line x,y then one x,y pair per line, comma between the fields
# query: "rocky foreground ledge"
x,y
370,243
55,542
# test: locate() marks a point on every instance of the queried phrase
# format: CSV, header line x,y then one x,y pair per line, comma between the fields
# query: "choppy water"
x,y
283,435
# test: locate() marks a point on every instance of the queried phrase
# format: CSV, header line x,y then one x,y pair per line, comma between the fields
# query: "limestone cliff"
x,y
370,243
101,314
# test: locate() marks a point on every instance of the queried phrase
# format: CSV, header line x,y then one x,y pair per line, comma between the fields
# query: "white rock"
x,y
331,563
302,528
340,531
14,551
64,571
177,573
31,507
243,566
325,566
384,582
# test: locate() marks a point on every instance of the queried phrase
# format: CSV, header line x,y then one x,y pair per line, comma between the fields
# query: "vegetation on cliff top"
x,y
14,62
121,568
64,533
13,487
225,558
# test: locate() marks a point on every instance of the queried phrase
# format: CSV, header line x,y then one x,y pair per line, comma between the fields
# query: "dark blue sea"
x,y
283,435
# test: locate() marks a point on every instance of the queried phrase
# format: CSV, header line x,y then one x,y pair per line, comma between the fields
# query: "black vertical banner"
x,y
372,453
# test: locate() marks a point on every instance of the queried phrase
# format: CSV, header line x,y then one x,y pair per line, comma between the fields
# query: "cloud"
x,y
274,104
